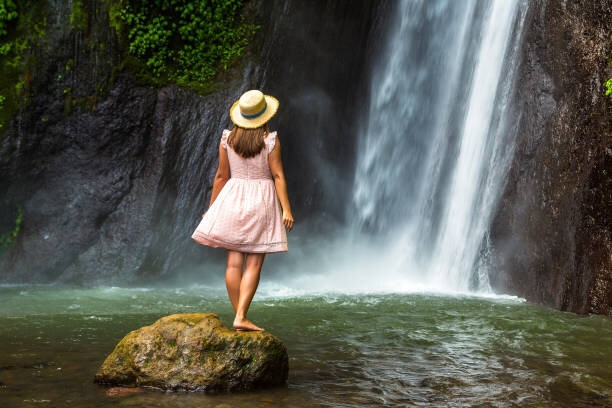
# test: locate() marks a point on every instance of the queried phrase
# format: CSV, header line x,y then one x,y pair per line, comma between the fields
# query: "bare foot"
x,y
245,325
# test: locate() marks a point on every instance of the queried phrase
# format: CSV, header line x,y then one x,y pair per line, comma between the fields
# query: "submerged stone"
x,y
195,352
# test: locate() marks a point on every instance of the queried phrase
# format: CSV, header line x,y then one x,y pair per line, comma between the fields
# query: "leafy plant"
x,y
8,12
185,41
9,238
22,26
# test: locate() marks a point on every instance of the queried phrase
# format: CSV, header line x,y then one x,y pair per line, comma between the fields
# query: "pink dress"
x,y
246,215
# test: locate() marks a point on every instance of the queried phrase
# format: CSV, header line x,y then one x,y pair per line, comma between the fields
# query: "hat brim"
x,y
239,120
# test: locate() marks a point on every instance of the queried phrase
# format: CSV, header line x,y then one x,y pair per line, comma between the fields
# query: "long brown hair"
x,y
248,142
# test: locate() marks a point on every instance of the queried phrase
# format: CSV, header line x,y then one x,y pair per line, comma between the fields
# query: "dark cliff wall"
x,y
112,187
112,177
552,232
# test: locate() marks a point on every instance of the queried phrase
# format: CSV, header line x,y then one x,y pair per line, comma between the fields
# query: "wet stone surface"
x,y
195,352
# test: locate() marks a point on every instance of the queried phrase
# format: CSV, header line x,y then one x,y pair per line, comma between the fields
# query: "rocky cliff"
x,y
111,177
552,232
103,179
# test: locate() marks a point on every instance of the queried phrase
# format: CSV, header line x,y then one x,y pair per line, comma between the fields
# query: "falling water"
x,y
437,138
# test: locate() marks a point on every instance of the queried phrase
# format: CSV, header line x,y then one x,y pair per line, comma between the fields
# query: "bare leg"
x,y
233,275
248,286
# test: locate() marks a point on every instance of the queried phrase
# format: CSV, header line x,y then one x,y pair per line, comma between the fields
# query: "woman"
x,y
244,213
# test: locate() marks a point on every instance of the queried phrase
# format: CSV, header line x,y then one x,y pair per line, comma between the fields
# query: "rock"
x,y
195,352
112,175
551,237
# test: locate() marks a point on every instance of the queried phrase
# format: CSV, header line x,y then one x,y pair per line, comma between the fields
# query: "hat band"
x,y
256,114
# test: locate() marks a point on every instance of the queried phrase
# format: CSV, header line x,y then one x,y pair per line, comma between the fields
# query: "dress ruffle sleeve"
x,y
224,137
271,141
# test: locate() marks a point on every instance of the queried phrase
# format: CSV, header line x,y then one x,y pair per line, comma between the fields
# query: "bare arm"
x,y
222,174
276,168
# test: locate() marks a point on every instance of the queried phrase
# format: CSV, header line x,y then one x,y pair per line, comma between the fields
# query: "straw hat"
x,y
253,109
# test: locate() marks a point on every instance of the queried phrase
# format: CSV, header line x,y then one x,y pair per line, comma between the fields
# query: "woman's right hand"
x,y
288,220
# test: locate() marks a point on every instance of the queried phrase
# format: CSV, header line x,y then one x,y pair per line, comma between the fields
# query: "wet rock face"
x,y
113,185
108,184
195,352
316,64
551,235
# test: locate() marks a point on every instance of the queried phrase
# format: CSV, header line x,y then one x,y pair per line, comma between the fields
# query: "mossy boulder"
x,y
195,352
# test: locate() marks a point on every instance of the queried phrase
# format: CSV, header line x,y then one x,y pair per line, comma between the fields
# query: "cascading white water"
x,y
436,143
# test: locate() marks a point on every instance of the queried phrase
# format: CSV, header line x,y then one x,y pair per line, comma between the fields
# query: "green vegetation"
x,y
199,44
78,18
8,12
20,28
182,41
9,238
608,83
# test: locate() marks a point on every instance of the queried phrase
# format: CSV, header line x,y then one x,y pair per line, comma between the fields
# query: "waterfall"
x,y
437,138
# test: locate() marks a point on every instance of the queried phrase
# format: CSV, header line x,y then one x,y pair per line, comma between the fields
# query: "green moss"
x,y
118,353
114,14
8,239
190,319
78,18
25,28
122,353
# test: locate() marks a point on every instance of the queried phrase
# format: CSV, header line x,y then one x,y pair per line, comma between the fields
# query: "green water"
x,y
344,350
